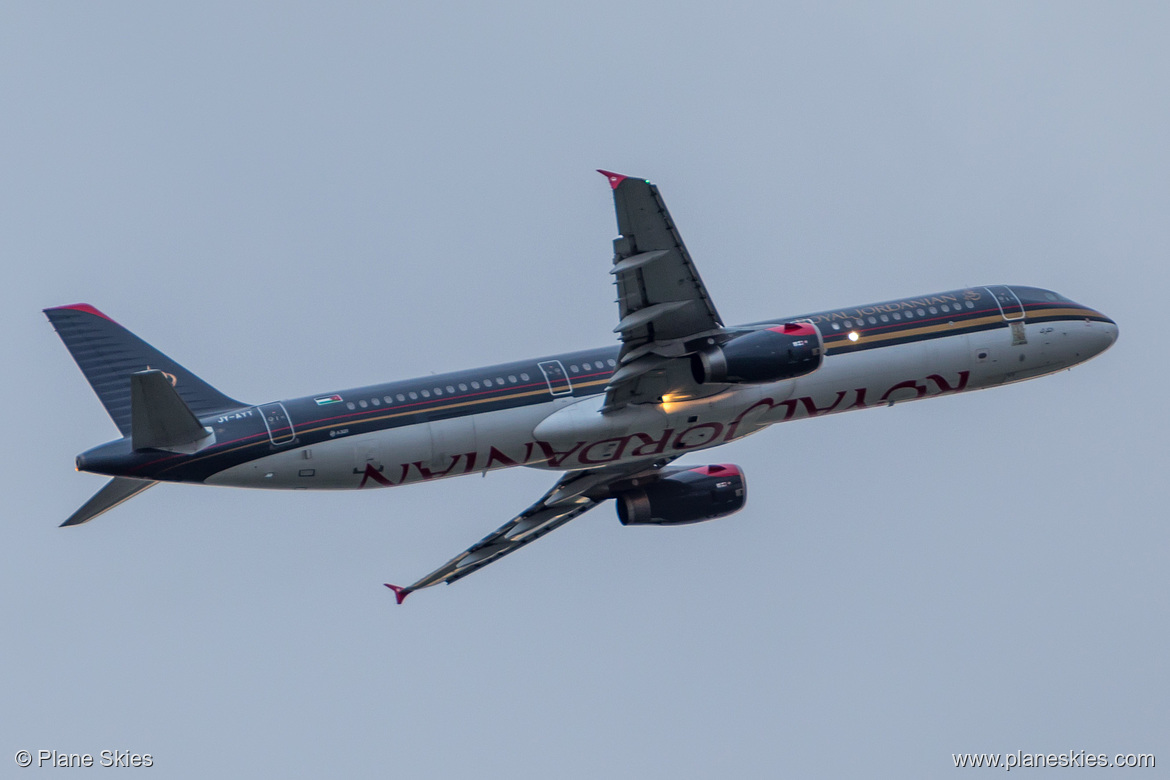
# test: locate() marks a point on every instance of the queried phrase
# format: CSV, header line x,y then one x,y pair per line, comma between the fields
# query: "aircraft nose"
x,y
1111,331
1096,337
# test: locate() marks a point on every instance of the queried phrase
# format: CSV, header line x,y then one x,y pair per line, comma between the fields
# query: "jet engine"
x,y
682,494
770,355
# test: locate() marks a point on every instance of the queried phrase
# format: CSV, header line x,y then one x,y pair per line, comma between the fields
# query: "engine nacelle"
x,y
771,355
683,494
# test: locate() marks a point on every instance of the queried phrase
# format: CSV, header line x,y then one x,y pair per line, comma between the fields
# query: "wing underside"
x,y
573,495
663,307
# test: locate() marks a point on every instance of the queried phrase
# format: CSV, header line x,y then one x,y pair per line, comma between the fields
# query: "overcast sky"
x,y
290,198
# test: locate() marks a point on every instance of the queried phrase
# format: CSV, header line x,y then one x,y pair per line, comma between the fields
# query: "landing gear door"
x,y
1009,305
555,376
280,427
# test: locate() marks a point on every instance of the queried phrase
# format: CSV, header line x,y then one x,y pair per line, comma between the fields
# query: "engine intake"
x,y
770,355
683,495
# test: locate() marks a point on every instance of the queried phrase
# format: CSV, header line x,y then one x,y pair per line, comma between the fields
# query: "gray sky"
x,y
290,198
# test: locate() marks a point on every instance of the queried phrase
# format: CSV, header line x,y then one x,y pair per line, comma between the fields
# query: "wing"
x,y
574,494
665,311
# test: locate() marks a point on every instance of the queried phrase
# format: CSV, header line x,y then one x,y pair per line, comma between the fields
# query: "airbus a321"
x,y
612,419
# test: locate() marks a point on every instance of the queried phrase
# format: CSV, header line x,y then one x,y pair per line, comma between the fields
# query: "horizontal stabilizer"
x,y
116,491
160,419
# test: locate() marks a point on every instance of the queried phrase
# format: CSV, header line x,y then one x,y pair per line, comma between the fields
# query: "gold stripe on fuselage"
x,y
831,341
428,409
842,339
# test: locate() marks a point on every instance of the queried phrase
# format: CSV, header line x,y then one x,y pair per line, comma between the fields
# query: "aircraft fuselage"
x,y
545,413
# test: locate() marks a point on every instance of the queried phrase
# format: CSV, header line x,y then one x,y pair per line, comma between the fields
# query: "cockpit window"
x,y
1038,294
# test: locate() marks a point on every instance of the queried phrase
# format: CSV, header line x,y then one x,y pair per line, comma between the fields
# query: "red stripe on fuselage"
x,y
357,417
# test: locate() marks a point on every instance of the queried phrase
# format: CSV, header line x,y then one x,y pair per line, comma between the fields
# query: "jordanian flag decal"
x,y
325,400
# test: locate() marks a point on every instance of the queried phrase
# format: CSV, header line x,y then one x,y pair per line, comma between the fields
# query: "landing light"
x,y
853,335
672,401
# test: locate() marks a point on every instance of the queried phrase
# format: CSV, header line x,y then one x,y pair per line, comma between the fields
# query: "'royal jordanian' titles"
x,y
613,419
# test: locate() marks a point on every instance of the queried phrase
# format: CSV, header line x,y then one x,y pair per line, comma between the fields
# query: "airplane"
x,y
612,419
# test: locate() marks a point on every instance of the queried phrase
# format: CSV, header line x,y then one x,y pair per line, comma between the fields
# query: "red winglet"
x,y
614,178
400,593
85,307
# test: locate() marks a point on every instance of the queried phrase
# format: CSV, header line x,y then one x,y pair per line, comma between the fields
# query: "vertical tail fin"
x,y
108,354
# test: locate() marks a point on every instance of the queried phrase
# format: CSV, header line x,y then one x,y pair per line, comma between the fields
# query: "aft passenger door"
x,y
276,420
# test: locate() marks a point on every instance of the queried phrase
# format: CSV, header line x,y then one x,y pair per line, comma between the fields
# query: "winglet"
x,y
614,178
400,593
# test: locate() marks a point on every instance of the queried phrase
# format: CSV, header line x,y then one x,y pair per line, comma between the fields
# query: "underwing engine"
x,y
761,356
682,494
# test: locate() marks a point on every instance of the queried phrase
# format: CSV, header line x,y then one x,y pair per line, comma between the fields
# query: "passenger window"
x,y
376,401
524,377
499,380
873,321
475,385
612,362
363,404
350,405
970,305
487,383
836,326
933,310
897,316
400,397
426,393
413,396
512,379
946,308
573,368
462,388
450,389
885,318
921,313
